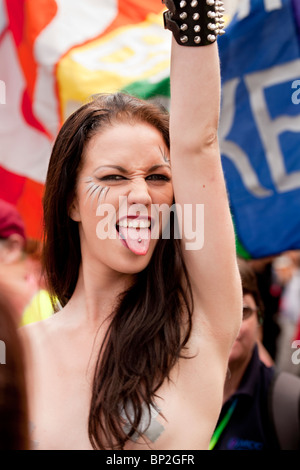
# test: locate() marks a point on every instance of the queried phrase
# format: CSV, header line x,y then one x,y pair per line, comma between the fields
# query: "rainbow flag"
x,y
54,54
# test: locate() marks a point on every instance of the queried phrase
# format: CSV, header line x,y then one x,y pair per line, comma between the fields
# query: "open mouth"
x,y
135,233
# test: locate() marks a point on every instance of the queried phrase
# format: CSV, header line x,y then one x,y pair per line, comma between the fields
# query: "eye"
x,y
157,177
248,311
112,178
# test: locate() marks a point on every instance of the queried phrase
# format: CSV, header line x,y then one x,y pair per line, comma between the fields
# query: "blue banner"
x,y
260,124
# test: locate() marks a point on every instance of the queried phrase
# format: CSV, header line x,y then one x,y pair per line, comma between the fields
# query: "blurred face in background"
x,y
17,280
242,348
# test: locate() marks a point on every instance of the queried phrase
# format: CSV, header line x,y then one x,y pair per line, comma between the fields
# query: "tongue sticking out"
x,y
137,240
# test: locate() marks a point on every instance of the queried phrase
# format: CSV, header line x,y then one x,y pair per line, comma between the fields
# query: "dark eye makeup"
x,y
154,177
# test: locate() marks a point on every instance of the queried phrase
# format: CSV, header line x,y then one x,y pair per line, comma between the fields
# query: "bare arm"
x,y
198,179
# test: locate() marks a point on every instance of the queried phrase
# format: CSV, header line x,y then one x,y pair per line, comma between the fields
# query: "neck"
x,y
96,294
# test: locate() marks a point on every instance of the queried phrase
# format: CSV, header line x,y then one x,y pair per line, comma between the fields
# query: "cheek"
x,y
248,334
162,194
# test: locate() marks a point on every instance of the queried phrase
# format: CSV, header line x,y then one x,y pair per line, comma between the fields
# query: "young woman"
x,y
137,357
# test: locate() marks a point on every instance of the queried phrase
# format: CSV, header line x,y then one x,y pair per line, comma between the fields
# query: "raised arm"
x,y
197,171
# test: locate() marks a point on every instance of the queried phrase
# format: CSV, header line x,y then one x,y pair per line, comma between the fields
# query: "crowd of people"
x,y
121,342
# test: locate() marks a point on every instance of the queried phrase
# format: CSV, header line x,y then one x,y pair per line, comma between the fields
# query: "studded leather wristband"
x,y
194,22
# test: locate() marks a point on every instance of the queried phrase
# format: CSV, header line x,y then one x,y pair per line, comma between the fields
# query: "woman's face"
x,y
125,172
242,348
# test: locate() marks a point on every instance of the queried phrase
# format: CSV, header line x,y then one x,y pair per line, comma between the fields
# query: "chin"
x,y
236,351
125,262
133,266
130,263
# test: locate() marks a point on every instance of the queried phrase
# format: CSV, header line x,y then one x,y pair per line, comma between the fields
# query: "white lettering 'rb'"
x,y
271,5
231,149
271,129
244,7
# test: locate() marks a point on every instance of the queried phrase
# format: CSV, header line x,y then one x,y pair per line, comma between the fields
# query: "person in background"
x,y
245,422
297,335
14,425
270,291
20,268
287,267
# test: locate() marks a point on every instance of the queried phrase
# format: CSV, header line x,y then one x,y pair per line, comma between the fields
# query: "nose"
x,y
139,193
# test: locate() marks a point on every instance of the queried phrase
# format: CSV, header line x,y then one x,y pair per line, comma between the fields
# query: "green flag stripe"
x,y
146,90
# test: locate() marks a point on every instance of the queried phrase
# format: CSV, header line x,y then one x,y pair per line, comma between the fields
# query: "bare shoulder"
x,y
37,332
37,340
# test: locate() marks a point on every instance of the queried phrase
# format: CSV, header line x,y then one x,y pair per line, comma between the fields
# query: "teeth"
x,y
135,223
123,223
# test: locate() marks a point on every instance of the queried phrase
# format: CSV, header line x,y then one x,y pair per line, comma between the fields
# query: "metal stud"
x,y
220,9
210,3
211,37
196,16
211,14
182,4
197,39
139,240
197,28
194,4
184,27
183,16
212,26
184,39
221,32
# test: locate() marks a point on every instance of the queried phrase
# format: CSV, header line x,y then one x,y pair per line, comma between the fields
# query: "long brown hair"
x,y
14,424
148,330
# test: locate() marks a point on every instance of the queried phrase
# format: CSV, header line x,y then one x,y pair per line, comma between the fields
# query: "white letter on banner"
x,y
269,129
243,9
231,149
271,5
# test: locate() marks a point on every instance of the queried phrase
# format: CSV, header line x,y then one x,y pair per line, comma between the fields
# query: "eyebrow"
x,y
114,167
125,172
